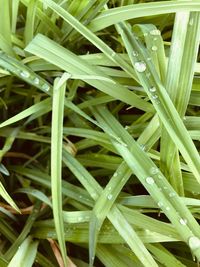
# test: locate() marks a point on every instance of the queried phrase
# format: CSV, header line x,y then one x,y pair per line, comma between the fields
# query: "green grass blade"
x,y
56,162
115,15
25,256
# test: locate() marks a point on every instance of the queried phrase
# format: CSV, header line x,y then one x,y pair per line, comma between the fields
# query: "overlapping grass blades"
x,y
99,133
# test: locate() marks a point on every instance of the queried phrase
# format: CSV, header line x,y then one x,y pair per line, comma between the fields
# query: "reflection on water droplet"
x,y
183,221
109,188
150,180
154,97
25,74
115,174
36,81
160,204
109,196
155,32
135,53
113,54
154,170
167,208
194,242
45,87
154,48
152,89
172,194
140,66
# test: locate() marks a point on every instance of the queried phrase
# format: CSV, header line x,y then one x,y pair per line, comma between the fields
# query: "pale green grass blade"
x,y
8,143
5,27
164,257
106,201
56,162
35,193
46,22
7,198
25,256
162,103
28,112
66,60
115,15
179,85
23,72
15,7
30,21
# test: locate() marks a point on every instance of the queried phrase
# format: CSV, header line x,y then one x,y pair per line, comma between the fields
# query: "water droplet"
x,y
149,58
145,34
45,87
154,170
152,89
154,97
109,188
155,32
135,53
36,81
154,48
113,54
172,194
160,204
115,174
109,197
25,74
183,221
157,101
165,187
126,127
194,242
150,180
140,66
167,208
155,38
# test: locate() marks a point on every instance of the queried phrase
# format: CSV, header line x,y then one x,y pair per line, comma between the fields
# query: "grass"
x,y
99,133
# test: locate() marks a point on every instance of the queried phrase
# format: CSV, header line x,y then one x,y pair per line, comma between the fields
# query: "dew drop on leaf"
x,y
140,66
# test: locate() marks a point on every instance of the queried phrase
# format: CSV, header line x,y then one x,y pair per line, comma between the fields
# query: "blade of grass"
x,y
56,160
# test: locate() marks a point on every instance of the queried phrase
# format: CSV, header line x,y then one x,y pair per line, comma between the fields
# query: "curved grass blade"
x,y
115,15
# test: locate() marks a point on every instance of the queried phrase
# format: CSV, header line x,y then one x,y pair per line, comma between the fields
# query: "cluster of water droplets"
x,y
153,93
155,33
25,74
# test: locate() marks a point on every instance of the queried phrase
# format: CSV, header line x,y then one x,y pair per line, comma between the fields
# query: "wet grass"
x,y
99,133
